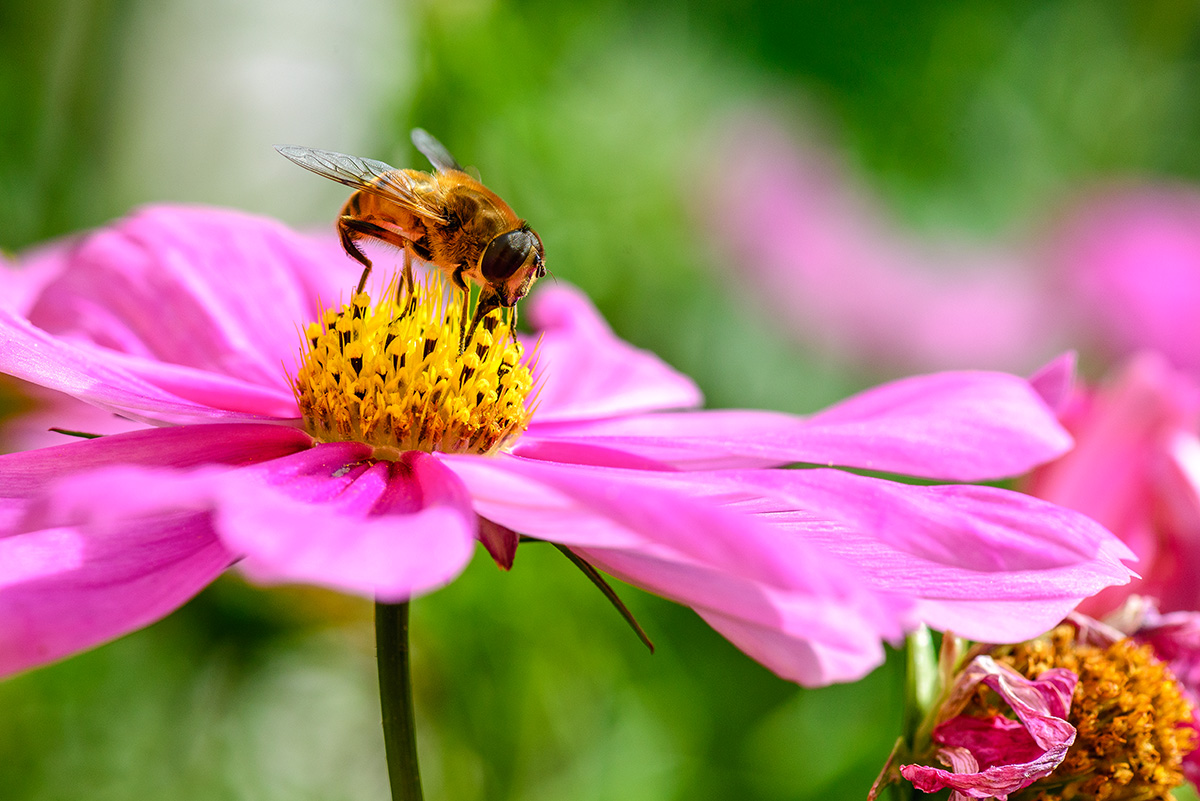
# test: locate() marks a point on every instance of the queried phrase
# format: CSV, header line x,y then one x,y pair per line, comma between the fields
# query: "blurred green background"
x,y
596,120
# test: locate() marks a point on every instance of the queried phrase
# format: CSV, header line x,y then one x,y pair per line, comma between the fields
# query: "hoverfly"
x,y
446,218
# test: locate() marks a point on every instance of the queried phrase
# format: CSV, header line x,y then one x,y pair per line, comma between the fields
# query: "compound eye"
x,y
505,254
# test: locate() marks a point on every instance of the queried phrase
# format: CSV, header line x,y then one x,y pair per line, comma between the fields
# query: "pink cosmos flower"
x,y
990,758
835,268
189,320
1135,468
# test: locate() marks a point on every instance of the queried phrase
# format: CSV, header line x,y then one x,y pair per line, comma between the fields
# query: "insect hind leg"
x,y
349,234
352,229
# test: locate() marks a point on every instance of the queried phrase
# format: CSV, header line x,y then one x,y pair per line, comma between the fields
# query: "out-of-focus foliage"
x,y
528,686
596,120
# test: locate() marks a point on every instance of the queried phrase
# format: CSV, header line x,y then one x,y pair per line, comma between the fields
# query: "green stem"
x,y
395,697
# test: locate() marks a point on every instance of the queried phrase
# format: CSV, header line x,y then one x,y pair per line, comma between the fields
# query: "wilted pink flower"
x,y
994,756
1127,261
190,319
835,268
1080,712
1135,468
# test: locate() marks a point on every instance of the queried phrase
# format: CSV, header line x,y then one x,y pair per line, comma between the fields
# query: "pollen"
x,y
1131,718
390,374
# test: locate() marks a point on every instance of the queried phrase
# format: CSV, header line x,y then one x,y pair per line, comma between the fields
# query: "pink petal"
x,y
501,542
1175,637
1122,472
30,428
1104,474
989,564
964,426
958,426
1055,382
83,571
552,449
597,507
215,290
1019,532
1175,514
30,354
799,611
326,516
226,392
1041,704
989,742
585,371
1004,604
20,284
817,643
24,474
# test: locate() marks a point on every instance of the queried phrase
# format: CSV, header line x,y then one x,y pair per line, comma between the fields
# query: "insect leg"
x,y
462,321
456,278
488,301
352,228
408,273
349,234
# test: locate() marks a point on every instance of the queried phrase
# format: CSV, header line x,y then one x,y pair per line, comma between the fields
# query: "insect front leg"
x,y
456,278
487,302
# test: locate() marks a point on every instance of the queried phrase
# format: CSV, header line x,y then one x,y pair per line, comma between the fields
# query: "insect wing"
x,y
435,151
349,170
366,174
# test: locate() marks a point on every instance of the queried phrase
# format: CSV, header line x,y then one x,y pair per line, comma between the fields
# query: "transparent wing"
x,y
365,174
349,170
435,151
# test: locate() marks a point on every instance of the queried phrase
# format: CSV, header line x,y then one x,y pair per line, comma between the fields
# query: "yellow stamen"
x,y
390,375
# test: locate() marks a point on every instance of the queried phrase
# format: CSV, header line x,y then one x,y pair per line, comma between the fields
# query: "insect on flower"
x,y
446,218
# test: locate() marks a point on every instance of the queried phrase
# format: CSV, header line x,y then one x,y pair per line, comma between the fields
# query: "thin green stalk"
x,y
594,576
395,697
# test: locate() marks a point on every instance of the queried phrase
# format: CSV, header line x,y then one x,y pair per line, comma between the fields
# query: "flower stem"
x,y
395,697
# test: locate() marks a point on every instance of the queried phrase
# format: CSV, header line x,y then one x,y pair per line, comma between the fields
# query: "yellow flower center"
x,y
390,374
1129,713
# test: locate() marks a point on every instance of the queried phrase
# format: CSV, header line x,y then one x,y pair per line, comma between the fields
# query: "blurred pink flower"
x,y
990,758
184,318
831,265
1135,468
1127,261
1115,270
